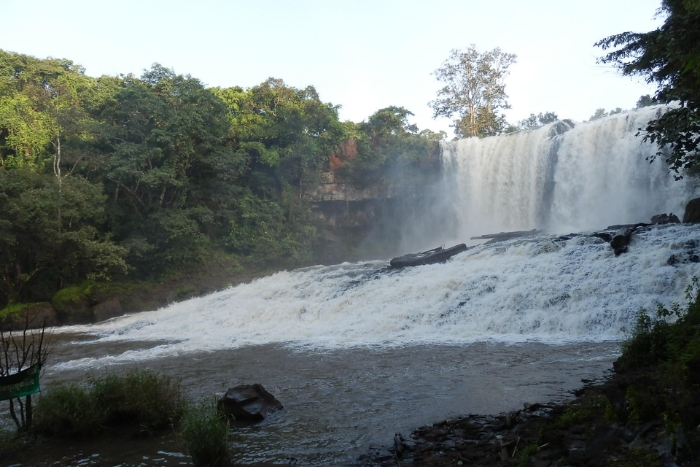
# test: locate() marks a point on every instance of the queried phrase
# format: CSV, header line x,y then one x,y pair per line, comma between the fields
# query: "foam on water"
x,y
544,289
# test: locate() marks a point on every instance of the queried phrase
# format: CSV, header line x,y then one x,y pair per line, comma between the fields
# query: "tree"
x,y
645,101
536,121
474,90
598,114
670,57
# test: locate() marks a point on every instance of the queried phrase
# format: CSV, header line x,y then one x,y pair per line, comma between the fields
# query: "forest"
x,y
141,178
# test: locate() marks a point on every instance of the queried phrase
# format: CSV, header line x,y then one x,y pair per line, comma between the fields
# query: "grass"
x,y
143,399
204,431
138,399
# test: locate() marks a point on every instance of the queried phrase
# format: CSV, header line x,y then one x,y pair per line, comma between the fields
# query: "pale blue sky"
x,y
361,54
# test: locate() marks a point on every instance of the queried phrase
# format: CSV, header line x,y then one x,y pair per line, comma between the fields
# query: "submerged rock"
x,y
249,402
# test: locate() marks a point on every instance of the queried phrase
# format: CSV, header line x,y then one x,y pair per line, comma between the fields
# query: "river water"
x,y
356,352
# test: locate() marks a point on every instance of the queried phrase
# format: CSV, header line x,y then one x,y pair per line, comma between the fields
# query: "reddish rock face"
x,y
335,162
346,151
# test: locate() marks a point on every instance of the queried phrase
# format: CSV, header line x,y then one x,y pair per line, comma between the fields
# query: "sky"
x,y
363,55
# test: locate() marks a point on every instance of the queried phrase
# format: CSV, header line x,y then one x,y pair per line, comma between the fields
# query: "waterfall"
x,y
563,177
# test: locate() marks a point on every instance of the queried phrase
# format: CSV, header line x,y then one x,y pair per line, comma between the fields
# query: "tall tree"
x,y
670,57
474,90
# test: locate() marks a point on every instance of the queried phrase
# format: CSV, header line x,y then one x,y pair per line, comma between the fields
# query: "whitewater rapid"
x,y
545,289
563,177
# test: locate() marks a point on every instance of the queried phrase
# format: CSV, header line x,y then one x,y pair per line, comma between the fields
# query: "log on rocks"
x,y
502,236
436,255
248,402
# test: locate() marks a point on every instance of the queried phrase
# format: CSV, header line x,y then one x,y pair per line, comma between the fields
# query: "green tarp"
x,y
22,383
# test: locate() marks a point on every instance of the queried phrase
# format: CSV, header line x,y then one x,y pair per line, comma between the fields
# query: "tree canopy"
x,y
157,174
474,91
670,57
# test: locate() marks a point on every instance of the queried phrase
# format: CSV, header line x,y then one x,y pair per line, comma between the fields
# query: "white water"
x,y
545,289
589,177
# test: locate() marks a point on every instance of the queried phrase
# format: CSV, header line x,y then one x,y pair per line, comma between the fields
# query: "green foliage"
x,y
670,57
573,415
72,294
668,354
645,101
140,398
204,430
656,340
34,240
525,459
261,230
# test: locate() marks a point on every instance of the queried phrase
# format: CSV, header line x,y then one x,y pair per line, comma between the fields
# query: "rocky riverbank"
x,y
600,427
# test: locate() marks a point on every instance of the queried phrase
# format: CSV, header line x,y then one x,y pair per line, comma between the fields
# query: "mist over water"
x,y
590,176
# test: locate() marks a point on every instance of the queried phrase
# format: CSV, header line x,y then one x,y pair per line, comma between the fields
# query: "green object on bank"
x,y
22,383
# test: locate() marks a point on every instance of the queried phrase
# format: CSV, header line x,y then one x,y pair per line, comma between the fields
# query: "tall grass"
x,y
140,398
204,431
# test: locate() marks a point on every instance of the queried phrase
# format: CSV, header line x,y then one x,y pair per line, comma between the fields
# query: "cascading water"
x,y
356,351
563,177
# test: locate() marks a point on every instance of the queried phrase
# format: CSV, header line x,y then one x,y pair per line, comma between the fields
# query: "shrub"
x,y
204,430
656,340
138,397
67,409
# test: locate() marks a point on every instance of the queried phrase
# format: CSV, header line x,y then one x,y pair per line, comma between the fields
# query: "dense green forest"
x,y
125,177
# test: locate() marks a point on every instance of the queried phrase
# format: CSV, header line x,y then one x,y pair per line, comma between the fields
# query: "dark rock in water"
x,y
620,241
560,127
692,211
661,219
249,402
603,235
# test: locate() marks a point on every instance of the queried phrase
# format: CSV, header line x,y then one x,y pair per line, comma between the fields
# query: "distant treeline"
x,y
146,177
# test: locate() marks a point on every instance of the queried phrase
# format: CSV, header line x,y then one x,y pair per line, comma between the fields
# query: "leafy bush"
x,y
204,430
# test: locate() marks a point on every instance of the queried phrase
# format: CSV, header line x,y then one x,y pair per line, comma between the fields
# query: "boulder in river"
x,y
692,211
620,241
661,219
249,402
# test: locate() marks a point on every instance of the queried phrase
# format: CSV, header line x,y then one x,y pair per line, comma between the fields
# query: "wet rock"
x,y
620,241
603,235
661,219
108,309
34,315
249,402
692,211
73,310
